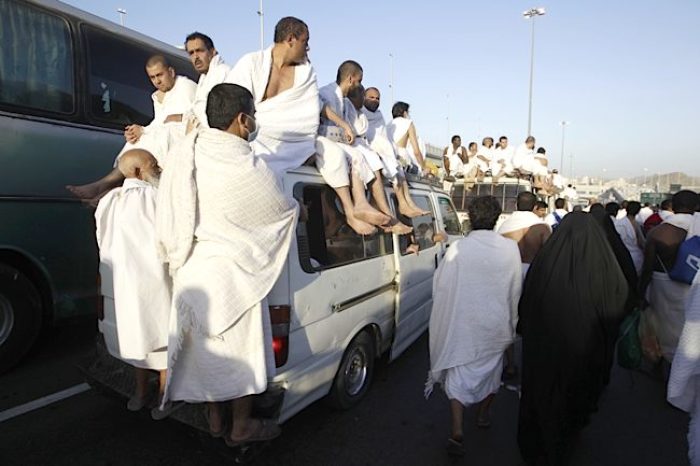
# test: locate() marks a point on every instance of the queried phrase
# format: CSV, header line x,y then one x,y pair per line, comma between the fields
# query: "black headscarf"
x,y
572,303
622,254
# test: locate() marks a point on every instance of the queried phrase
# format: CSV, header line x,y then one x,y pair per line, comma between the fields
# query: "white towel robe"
x,y
488,153
629,238
135,284
384,160
177,101
218,70
397,129
684,380
506,155
288,122
238,226
380,142
476,290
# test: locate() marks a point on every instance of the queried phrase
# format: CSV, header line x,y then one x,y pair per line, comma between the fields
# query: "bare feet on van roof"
x,y
360,227
397,227
412,212
367,214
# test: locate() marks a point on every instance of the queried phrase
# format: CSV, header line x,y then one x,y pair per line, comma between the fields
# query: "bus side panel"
x,y
39,216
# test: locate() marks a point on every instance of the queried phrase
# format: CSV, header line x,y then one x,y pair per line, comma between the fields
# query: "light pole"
x,y
563,130
262,26
122,14
531,14
391,76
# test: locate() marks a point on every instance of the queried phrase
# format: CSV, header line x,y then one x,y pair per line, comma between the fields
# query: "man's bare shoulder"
x,y
665,231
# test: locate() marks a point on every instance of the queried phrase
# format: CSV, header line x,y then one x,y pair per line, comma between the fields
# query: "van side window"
x,y
328,240
449,216
119,89
36,59
423,226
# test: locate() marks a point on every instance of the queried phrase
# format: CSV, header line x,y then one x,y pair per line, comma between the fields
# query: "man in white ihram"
x,y
224,256
135,284
476,290
212,71
285,89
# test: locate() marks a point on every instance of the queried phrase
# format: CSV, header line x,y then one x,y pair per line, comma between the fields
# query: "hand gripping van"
x,y
341,302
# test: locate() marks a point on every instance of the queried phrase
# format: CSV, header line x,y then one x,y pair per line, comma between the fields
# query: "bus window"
x,y
119,89
36,60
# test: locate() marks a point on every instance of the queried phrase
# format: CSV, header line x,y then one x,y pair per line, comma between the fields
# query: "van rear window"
x,y
36,59
327,240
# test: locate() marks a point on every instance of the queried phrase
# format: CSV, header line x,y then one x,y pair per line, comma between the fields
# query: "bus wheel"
x,y
354,374
20,316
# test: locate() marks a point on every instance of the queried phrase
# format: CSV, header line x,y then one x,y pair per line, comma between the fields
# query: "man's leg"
x,y
356,224
362,209
138,400
215,418
457,410
413,209
248,429
379,196
93,191
483,416
162,379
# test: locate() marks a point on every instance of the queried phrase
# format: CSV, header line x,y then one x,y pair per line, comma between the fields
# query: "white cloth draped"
x,y
456,164
397,129
683,221
486,152
551,220
242,233
644,213
524,158
384,160
684,380
506,155
332,96
667,299
519,220
177,101
288,122
476,290
135,284
629,235
380,142
218,70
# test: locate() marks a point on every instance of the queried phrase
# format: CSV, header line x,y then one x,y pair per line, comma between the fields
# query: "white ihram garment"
x,y
524,159
517,221
644,213
488,153
397,129
476,290
233,227
135,284
456,164
384,160
684,380
157,134
380,142
506,155
628,235
218,70
287,122
332,96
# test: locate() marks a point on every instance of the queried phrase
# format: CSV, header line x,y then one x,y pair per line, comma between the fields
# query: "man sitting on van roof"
x,y
225,258
212,71
172,100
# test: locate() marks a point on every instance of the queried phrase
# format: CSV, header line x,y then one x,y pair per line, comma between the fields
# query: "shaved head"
x,y
347,69
140,164
158,60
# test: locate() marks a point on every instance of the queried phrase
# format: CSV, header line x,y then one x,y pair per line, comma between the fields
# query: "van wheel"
x,y
20,316
355,373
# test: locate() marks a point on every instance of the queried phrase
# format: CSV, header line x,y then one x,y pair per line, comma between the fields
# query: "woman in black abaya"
x,y
571,307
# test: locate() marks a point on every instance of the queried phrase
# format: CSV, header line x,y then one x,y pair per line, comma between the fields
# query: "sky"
x,y
625,74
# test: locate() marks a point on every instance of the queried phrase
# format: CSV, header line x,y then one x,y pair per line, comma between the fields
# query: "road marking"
x,y
43,401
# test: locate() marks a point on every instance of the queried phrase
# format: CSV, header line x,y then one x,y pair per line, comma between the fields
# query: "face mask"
x,y
372,105
253,134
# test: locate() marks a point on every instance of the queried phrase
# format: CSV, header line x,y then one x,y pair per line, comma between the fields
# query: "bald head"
x,y
140,164
372,97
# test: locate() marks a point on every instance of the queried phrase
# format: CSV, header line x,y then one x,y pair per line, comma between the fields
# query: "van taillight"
x,y
100,299
279,317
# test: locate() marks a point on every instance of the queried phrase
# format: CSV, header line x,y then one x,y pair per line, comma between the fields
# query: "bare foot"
x,y
369,215
87,191
398,228
412,211
360,227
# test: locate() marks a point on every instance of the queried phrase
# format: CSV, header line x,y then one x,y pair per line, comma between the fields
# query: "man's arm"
x,y
463,155
173,118
648,266
328,113
413,138
446,163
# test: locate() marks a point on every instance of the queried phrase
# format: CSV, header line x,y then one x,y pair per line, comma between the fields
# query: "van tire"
x,y
355,373
20,316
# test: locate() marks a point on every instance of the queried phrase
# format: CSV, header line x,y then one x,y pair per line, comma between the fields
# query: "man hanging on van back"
x,y
224,257
172,99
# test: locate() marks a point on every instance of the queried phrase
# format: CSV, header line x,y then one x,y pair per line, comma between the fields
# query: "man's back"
x,y
665,240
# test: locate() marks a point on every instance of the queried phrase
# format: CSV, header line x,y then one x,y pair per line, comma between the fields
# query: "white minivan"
x,y
341,301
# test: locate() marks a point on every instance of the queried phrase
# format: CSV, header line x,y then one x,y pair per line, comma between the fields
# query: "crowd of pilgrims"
x,y
194,228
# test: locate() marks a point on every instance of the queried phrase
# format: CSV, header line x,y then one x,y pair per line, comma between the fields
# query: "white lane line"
x,y
43,401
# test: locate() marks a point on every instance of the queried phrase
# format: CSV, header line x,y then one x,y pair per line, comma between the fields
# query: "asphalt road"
x,y
394,425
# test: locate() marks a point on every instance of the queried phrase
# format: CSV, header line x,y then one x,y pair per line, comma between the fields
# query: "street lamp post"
x,y
563,130
122,14
262,26
531,14
391,76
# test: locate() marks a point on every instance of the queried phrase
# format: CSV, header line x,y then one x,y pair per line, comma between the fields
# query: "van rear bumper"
x,y
114,377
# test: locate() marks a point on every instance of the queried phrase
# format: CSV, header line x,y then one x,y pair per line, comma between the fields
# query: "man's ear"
x,y
137,172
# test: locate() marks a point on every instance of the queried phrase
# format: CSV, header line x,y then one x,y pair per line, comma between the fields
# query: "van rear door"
x,y
414,277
